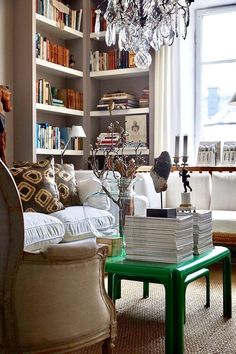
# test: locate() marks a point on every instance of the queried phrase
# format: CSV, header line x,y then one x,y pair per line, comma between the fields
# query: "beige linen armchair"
x,y
54,301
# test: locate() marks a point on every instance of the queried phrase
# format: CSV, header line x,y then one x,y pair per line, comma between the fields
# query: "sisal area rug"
x,y
141,322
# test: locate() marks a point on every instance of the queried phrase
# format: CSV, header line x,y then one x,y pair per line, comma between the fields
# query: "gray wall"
x,y
6,64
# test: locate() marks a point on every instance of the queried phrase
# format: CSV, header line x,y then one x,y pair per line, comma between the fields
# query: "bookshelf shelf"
x,y
130,151
101,35
48,67
120,112
44,23
58,152
118,73
58,110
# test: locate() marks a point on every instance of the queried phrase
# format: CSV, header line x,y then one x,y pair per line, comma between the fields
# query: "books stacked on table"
x,y
202,231
121,100
168,240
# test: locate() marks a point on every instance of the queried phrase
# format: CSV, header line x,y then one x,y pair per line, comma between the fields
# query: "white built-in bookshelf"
x,y
44,23
120,112
48,67
58,152
93,84
40,64
46,108
118,73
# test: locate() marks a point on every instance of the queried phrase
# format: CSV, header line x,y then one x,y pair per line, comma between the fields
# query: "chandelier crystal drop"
x,y
140,25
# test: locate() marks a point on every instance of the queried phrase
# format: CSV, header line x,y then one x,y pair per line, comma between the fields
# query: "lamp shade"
x,y
77,131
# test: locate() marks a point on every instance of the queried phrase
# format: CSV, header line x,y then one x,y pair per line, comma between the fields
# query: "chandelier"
x,y
140,25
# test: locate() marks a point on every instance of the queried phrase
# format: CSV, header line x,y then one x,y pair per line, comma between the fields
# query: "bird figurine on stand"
x,y
160,172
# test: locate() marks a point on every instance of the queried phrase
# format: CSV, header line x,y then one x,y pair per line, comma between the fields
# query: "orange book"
x,y
66,57
55,53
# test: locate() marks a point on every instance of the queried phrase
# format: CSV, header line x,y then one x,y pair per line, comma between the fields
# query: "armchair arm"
x,y
71,251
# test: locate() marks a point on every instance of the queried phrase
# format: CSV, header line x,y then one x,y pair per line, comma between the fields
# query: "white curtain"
x,y
167,118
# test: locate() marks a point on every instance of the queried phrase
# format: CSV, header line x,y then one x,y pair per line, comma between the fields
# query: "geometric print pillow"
x,y
66,184
37,187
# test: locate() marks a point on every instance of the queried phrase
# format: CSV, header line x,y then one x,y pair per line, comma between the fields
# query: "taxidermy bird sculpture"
x,y
160,171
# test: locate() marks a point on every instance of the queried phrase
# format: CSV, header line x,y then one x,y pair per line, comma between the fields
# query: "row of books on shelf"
x,y
51,52
49,137
102,21
111,60
57,11
69,98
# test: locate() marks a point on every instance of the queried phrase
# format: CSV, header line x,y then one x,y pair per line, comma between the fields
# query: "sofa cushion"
x,y
41,230
64,178
66,184
90,192
223,191
201,190
79,221
37,187
224,221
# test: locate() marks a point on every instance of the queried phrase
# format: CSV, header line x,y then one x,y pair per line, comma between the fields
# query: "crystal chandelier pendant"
x,y
142,59
141,24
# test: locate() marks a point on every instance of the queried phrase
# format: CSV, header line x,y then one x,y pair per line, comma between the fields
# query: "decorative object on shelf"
x,y
183,173
229,153
72,61
136,126
160,172
76,131
209,153
115,160
143,24
5,106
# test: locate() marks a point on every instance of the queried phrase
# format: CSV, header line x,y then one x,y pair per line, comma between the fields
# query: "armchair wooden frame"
x,y
49,291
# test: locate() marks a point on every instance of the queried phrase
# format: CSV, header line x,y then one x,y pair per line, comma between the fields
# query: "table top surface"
x,y
119,263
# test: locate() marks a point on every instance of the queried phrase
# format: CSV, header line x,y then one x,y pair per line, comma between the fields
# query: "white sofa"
x,y
73,223
214,191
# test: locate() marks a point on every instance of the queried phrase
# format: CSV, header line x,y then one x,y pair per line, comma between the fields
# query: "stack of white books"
x,y
168,240
202,231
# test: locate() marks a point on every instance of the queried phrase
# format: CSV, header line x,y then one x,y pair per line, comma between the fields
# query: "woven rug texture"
x,y
141,322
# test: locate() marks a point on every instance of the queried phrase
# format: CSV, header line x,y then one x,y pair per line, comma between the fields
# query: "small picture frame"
x,y
209,153
136,126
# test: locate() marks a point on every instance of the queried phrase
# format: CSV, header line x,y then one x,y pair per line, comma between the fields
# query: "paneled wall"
x,y
6,64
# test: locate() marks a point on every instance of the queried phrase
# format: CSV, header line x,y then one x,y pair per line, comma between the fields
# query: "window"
x,y
216,74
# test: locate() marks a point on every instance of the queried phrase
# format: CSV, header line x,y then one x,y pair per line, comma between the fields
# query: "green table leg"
x,y
169,323
145,289
179,293
227,295
116,287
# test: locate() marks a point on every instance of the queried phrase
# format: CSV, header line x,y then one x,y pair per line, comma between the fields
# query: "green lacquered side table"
x,y
173,277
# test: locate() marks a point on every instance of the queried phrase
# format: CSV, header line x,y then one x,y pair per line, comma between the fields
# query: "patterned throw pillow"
x,y
66,184
37,186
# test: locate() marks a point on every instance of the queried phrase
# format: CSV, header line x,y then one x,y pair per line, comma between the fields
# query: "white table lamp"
x,y
77,131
